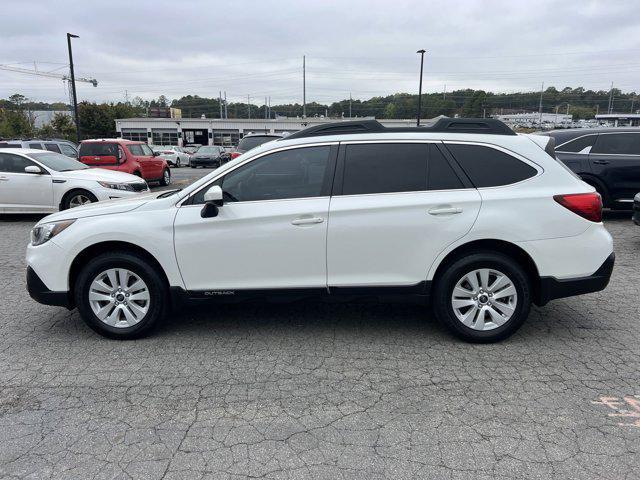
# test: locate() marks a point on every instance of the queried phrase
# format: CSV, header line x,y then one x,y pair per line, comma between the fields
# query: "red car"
x,y
126,156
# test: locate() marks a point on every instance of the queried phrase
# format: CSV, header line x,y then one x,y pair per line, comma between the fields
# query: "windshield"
x,y
247,143
208,150
57,162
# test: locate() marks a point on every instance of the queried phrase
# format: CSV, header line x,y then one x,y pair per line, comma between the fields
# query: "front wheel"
x,y
121,295
483,297
166,178
77,198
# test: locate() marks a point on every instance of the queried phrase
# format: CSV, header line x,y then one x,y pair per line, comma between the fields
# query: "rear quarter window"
x,y
489,167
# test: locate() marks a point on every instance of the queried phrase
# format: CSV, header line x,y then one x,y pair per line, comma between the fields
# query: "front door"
x,y
615,158
398,206
21,191
271,232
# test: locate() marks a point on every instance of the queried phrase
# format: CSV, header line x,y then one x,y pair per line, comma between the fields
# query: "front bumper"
x,y
202,162
41,294
552,288
103,193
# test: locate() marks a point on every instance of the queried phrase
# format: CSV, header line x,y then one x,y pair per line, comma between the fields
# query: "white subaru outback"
x,y
467,214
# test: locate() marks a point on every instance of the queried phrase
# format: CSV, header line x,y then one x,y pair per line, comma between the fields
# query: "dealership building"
x,y
217,131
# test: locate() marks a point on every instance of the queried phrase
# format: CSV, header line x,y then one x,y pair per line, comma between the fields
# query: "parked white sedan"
x,y
37,181
175,156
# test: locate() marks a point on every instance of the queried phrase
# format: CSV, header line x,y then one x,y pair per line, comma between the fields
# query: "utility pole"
x,y
269,107
540,106
248,107
220,101
265,108
226,113
444,95
73,86
567,109
304,86
350,100
632,102
421,52
557,107
609,110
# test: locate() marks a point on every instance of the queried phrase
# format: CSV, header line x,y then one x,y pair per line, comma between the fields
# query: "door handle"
x,y
445,211
307,221
601,162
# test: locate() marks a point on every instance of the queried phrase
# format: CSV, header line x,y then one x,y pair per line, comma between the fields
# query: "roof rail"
x,y
449,125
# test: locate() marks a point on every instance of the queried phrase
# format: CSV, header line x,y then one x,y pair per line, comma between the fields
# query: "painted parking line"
x,y
627,407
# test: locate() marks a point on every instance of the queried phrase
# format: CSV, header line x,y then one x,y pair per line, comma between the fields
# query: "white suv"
x,y
478,220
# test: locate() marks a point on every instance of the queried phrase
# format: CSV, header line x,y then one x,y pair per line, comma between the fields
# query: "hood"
x,y
99,175
103,208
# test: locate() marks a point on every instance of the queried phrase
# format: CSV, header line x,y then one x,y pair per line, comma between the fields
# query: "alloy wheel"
x,y
484,299
78,200
119,297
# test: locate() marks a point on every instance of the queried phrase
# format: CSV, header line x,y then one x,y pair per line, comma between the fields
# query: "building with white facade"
x,y
216,131
534,118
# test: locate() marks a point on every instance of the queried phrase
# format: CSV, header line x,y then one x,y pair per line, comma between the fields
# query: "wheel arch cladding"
x,y
110,246
495,246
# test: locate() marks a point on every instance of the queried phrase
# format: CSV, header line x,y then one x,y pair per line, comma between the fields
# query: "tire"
x,y
118,324
166,177
485,305
137,174
77,198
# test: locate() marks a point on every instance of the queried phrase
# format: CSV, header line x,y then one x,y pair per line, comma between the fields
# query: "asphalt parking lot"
x,y
313,390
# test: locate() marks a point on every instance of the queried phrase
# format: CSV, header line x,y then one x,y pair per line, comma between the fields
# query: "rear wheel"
x,y
166,177
121,295
483,297
77,198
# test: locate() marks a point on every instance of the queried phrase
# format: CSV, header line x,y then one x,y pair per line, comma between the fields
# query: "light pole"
x,y
73,86
421,52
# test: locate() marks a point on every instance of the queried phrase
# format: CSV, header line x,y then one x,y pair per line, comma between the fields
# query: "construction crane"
x,y
64,77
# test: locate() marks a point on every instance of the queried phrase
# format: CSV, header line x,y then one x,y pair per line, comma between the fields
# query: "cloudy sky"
x,y
150,48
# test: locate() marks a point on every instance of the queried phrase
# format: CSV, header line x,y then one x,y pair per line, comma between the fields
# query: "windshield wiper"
x,y
169,193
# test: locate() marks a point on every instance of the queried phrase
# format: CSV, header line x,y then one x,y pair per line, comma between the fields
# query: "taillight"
x,y
587,205
235,155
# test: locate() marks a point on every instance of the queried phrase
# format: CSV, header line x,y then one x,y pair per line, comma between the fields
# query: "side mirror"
x,y
33,169
213,199
156,154
214,195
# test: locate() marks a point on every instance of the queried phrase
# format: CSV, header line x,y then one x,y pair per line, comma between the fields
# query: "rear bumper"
x,y
41,294
552,288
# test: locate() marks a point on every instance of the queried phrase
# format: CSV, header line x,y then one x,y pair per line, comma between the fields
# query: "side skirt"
x,y
418,293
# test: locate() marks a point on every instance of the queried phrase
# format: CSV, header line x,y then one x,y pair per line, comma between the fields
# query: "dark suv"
x,y
606,158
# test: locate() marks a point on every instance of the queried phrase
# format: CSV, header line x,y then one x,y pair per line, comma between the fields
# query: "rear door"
x,y
21,191
615,158
395,207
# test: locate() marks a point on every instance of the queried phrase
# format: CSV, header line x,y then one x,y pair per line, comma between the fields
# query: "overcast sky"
x,y
180,47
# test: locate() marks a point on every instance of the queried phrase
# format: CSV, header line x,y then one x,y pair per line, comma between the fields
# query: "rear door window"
x,y
136,150
578,145
617,144
489,167
52,147
385,168
36,146
441,175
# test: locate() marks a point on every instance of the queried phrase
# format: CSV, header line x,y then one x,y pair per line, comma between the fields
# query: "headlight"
x,y
117,186
45,232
